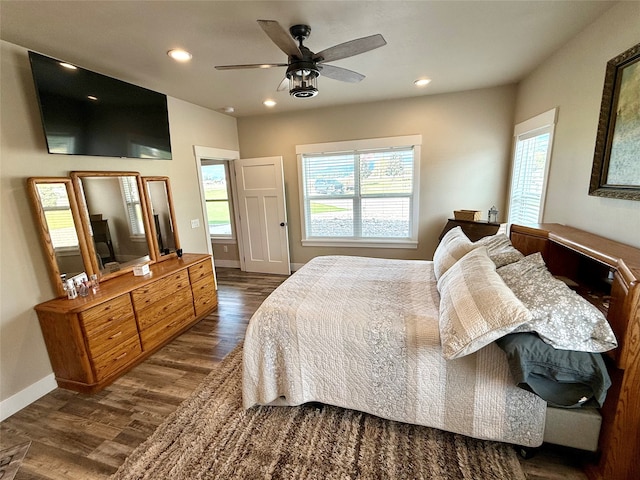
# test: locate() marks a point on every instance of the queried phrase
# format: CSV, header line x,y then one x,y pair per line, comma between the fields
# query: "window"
x,y
131,195
532,151
215,180
55,203
362,193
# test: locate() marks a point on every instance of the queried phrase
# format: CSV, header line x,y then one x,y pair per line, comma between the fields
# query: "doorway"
x,y
243,206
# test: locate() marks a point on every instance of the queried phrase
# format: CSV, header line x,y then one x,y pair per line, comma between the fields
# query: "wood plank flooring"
x,y
84,437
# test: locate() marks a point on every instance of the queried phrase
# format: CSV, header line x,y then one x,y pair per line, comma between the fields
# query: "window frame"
x,y
363,146
227,169
137,220
541,124
59,208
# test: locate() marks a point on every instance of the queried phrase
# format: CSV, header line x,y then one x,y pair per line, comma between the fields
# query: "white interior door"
x,y
263,217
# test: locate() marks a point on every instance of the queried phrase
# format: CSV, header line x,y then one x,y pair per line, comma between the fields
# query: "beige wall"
x,y
572,79
466,140
24,278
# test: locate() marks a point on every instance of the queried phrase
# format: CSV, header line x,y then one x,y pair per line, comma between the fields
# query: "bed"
x,y
368,334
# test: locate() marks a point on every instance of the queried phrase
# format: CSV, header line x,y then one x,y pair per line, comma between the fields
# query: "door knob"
x,y
282,224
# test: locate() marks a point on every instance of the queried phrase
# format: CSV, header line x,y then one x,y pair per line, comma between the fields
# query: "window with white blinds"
x,y
532,152
55,204
364,196
131,195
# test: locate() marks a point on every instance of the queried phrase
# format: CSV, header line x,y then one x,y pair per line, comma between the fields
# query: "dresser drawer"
x,y
153,292
102,316
164,308
205,297
116,332
200,270
111,361
160,331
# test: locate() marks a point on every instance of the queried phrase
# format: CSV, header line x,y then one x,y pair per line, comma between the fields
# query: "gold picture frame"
x,y
616,163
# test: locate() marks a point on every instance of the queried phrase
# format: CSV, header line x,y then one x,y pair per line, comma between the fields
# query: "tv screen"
x,y
86,113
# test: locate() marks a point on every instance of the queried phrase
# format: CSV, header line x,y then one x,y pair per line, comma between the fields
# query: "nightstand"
x,y
475,230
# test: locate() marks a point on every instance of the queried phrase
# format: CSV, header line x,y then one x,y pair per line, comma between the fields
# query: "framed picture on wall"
x,y
616,162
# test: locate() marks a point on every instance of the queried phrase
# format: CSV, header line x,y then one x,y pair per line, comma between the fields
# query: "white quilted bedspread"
x,y
362,333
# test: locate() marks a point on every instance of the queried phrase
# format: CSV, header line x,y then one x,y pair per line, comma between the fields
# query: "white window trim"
x,y
542,123
414,141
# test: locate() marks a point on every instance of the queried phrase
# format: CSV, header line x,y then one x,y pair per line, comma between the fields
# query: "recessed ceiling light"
x,y
269,103
68,65
228,109
92,97
421,82
179,55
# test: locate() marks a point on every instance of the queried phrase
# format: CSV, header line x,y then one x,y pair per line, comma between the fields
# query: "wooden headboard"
x,y
608,275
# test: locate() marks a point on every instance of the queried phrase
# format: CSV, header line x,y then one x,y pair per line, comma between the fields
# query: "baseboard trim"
x,y
227,263
236,264
33,392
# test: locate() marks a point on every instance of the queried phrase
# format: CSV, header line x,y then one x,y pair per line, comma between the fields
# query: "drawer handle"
x,y
115,335
107,308
121,356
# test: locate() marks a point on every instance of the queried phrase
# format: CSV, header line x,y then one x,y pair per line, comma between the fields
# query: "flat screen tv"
x,y
86,113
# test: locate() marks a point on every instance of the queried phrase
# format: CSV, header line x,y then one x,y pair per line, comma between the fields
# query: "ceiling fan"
x,y
303,66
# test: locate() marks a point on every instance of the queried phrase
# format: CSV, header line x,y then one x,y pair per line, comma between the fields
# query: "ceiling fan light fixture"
x,y
303,80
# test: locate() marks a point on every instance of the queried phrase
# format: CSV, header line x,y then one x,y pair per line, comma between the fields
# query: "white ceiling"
x,y
460,45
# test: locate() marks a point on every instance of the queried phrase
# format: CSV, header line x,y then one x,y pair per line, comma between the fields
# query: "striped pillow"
x,y
453,246
476,306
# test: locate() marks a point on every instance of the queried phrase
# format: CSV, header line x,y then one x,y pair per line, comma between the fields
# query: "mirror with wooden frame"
x,y
162,218
115,220
57,214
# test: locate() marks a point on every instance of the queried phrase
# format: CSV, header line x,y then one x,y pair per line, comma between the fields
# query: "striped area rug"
x,y
210,436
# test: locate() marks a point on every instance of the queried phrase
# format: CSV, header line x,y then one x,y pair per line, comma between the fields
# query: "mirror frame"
x,y
45,235
172,214
76,178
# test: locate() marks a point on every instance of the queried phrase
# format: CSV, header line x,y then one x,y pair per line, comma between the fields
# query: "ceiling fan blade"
x,y
284,85
250,65
351,48
339,73
280,37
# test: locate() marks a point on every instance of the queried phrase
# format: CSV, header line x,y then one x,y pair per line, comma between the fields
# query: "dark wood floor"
x,y
76,436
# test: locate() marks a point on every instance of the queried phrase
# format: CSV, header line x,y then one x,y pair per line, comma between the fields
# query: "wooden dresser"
x,y
93,340
607,273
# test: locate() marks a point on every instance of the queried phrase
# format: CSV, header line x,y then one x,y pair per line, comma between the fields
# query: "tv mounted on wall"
x,y
86,113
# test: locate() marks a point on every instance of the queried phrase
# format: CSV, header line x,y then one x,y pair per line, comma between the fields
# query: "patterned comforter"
x,y
362,333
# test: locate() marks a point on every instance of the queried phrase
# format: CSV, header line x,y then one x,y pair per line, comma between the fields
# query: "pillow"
x,y
476,307
561,317
564,378
500,249
453,246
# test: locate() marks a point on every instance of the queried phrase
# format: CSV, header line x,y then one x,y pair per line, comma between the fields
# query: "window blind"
x,y
531,156
365,194
131,195
57,211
